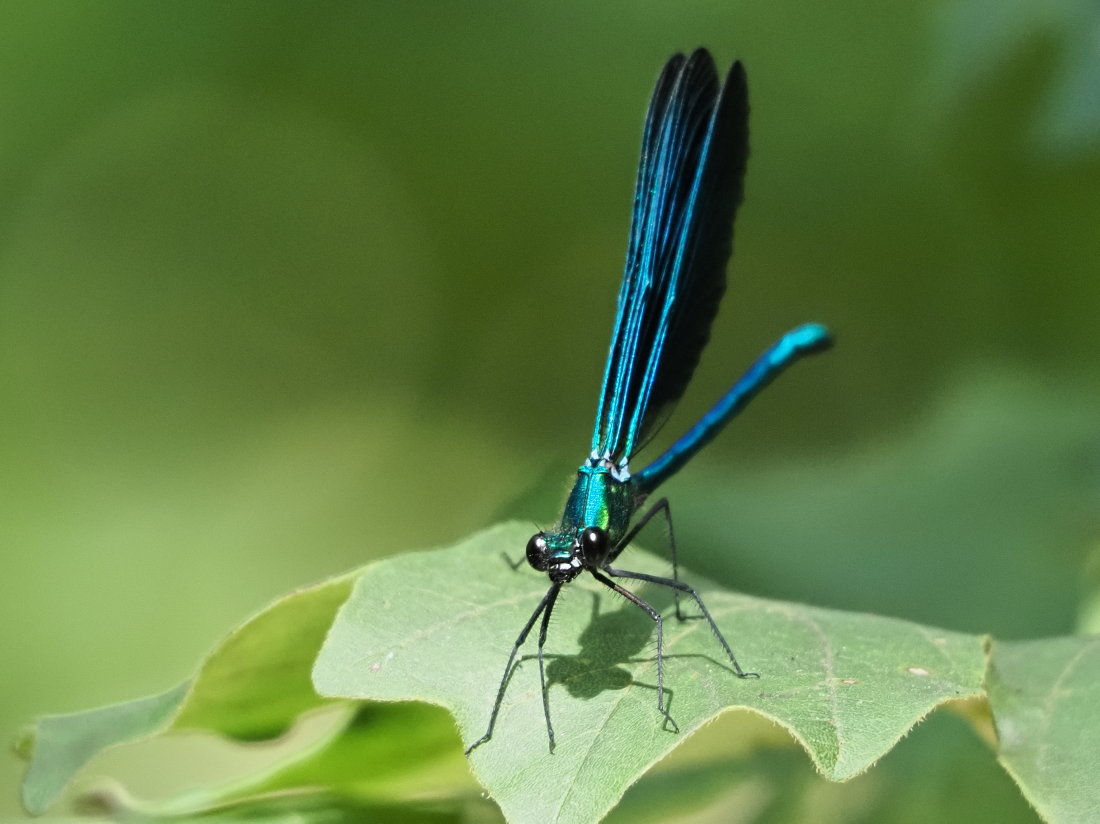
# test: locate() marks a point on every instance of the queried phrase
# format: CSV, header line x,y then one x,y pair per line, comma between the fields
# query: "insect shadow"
x,y
611,640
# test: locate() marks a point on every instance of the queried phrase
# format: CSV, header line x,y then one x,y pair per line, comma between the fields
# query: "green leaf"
x,y
62,744
942,773
437,626
316,808
1045,697
423,627
254,685
257,682
408,747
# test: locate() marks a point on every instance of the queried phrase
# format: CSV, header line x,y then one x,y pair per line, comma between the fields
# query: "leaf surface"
x,y
62,744
253,686
1045,698
437,626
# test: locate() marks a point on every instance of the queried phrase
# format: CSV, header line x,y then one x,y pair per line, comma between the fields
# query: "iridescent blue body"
x,y
694,152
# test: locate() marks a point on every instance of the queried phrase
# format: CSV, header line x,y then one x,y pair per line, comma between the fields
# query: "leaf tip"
x,y
22,744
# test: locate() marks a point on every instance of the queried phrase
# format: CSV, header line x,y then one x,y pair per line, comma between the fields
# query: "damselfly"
x,y
694,151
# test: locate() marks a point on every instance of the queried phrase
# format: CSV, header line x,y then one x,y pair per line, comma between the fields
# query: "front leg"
x,y
552,596
544,607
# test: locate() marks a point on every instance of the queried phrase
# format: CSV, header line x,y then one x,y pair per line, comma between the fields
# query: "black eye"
x,y
536,551
593,543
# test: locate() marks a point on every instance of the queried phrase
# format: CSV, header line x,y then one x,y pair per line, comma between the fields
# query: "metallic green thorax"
x,y
602,497
599,499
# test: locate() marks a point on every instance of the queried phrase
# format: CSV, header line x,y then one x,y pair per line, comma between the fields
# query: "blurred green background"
x,y
285,287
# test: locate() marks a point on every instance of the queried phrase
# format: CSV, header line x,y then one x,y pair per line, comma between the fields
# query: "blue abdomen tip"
x,y
810,336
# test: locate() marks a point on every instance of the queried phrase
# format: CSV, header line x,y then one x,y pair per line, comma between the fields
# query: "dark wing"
x,y
694,152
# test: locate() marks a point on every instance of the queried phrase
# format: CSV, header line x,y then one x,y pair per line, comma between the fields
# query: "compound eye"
x,y
594,543
536,551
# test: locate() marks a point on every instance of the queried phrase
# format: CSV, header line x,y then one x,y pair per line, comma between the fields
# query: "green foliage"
x,y
1045,697
264,263
436,626
254,686
1068,118
448,632
60,745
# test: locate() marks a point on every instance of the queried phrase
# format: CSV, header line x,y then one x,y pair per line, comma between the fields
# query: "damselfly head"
x,y
559,556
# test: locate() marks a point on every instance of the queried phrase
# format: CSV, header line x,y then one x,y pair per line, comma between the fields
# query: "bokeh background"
x,y
285,287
